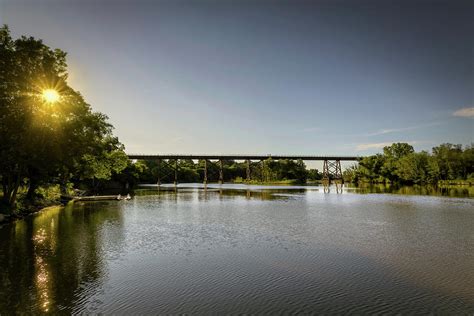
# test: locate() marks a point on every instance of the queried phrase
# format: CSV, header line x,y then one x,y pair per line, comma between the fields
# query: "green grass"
x,y
455,182
259,182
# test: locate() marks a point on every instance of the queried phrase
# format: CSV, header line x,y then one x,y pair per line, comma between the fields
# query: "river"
x,y
243,249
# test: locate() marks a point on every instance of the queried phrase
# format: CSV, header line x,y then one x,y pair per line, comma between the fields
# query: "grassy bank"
x,y
444,183
440,183
258,182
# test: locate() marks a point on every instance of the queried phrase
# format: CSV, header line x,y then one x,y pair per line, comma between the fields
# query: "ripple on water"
x,y
296,252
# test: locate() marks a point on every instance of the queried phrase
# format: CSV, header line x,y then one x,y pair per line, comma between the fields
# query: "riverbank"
x,y
279,182
456,182
26,212
440,183
30,209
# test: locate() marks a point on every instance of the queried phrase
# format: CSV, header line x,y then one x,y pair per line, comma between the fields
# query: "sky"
x,y
266,77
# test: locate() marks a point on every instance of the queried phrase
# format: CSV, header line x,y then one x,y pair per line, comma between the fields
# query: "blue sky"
x,y
266,77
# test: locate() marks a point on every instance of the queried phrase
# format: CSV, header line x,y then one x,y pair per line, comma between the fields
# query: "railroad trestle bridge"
x,y
168,164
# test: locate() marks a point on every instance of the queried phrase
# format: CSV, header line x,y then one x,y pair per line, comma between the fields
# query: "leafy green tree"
x,y
392,155
412,168
468,162
130,176
98,168
433,171
27,124
370,167
314,175
42,142
398,150
350,174
450,161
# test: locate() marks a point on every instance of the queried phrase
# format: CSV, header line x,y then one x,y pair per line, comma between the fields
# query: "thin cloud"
x,y
362,147
402,129
465,112
311,129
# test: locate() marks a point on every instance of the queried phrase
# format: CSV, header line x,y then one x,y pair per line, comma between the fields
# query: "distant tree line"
x,y
399,163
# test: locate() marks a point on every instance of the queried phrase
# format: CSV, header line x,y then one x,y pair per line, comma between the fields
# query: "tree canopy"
x,y
41,141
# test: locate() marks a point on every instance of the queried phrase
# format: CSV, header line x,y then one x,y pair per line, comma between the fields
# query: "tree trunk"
x,y
30,195
14,193
4,190
63,183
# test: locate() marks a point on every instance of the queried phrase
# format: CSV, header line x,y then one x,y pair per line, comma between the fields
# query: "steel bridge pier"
x,y
332,173
248,169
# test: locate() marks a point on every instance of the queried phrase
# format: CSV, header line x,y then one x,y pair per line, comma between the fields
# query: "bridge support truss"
x,y
205,172
332,173
221,172
220,166
170,168
248,170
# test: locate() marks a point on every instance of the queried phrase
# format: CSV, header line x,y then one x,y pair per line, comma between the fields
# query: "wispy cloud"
x,y
402,129
311,129
465,112
362,147
176,139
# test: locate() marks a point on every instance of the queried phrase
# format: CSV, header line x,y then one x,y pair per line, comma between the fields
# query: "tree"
x,y
450,161
398,150
314,174
392,155
130,176
26,124
42,142
412,168
351,174
370,167
102,166
468,162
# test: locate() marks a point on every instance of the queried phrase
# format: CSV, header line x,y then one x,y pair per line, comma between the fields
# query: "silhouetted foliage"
x,y
42,143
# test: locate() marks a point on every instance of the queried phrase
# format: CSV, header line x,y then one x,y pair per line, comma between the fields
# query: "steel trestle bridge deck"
x,y
240,157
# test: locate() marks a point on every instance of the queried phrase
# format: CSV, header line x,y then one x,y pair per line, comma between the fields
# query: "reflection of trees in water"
x,y
48,259
204,194
452,191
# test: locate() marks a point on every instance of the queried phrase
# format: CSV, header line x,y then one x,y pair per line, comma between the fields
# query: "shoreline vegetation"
x,y
400,164
53,146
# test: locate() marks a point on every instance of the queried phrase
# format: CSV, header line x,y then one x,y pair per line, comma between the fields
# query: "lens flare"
x,y
50,95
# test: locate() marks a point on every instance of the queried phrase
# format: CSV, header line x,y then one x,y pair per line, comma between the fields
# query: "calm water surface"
x,y
232,250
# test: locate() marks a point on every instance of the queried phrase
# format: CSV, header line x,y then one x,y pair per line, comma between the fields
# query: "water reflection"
x,y
47,259
243,249
450,191
204,194
265,192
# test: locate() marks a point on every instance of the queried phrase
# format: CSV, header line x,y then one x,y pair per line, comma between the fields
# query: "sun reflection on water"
x,y
44,244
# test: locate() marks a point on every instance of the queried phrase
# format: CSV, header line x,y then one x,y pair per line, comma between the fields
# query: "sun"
x,y
50,95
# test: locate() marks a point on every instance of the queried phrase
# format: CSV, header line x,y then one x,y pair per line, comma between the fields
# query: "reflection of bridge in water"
x,y
332,171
